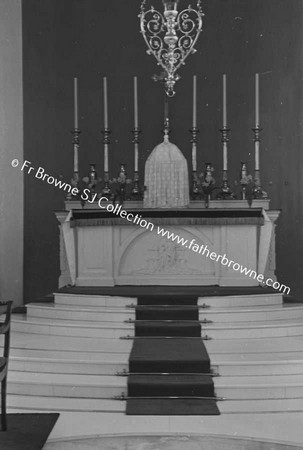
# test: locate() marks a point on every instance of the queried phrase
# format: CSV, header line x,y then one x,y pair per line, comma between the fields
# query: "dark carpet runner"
x,y
169,367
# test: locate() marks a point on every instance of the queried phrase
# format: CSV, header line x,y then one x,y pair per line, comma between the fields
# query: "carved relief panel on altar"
x,y
145,257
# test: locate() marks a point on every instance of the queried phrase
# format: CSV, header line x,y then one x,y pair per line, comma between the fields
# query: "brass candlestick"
x,y
76,145
258,191
136,191
195,192
226,192
106,192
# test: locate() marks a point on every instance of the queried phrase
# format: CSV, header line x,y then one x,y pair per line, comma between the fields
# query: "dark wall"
x,y
93,38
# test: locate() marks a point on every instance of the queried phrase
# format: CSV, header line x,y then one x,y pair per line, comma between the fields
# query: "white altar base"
x,y
108,255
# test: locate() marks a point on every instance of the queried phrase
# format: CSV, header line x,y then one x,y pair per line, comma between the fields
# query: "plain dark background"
x,y
93,38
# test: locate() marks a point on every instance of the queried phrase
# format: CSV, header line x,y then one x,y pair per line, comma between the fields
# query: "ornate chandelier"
x,y
170,37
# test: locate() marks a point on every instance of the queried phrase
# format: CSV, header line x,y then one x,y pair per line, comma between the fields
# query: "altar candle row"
x,y
194,123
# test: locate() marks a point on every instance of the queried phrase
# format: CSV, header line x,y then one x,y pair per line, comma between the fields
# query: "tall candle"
x,y
194,156
224,102
136,121
105,102
105,157
257,155
76,103
257,101
194,101
76,164
225,167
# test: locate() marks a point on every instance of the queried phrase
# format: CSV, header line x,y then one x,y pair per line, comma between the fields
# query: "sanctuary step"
x,y
257,372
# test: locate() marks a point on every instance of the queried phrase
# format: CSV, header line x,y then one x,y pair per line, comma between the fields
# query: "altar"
x,y
178,227
171,247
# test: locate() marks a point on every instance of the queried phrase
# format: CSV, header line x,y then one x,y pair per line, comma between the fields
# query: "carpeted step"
x,y
153,300
169,356
168,359
167,313
170,329
180,385
172,407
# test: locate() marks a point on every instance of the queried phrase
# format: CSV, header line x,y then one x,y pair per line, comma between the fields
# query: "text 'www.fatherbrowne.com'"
x,y
204,251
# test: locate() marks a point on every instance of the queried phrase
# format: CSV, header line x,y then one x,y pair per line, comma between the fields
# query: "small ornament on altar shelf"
x,y
246,182
119,185
92,181
207,182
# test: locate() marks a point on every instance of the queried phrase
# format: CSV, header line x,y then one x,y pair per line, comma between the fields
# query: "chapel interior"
x,y
151,233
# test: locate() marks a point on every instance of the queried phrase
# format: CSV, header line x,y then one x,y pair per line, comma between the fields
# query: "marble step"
x,y
234,330
110,301
101,367
70,355
261,406
70,343
213,301
51,403
63,366
103,386
79,313
226,301
106,314
244,330
64,328
66,385
259,367
259,387
246,347
258,314
96,386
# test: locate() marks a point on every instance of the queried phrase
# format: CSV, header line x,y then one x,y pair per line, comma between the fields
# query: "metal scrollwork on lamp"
x,y
170,37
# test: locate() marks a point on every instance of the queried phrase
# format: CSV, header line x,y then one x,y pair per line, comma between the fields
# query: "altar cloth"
x,y
248,216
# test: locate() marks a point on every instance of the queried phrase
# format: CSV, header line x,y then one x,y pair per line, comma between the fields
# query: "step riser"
x,y
172,331
107,333
261,393
94,300
166,314
53,330
188,391
66,355
121,316
251,316
64,391
31,403
258,369
67,367
253,333
63,404
73,343
241,300
259,406
92,316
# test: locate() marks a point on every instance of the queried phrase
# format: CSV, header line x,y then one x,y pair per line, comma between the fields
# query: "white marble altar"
x,y
108,255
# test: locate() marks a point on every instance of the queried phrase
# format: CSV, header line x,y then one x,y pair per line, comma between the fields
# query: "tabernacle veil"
x,y
166,177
